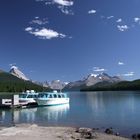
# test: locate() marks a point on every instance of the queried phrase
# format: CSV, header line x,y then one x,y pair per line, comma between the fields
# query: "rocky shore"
x,y
34,132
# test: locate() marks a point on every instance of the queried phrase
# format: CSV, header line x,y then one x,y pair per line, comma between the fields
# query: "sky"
x,y
69,39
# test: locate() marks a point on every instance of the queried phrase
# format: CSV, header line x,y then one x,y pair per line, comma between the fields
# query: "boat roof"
x,y
52,93
29,92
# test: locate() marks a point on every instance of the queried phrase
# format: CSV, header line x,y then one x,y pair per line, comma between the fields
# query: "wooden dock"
x,y
13,102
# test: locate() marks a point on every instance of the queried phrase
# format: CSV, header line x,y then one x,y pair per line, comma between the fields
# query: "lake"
x,y
117,109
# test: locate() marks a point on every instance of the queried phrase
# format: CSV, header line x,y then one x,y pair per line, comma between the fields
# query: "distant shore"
x,y
34,132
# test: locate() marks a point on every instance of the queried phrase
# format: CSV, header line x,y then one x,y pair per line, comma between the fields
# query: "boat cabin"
x,y
28,94
52,95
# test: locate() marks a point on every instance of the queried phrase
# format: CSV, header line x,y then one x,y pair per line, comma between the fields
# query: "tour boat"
x,y
52,98
28,97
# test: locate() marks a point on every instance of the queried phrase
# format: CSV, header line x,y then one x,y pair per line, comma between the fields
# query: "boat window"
x,y
50,96
35,96
55,96
30,96
22,95
40,95
46,95
63,96
59,96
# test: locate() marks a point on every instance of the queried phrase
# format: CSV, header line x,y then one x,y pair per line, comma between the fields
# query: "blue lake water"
x,y
120,110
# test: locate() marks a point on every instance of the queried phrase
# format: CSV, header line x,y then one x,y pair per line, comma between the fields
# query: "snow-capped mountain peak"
x,y
93,79
16,72
93,75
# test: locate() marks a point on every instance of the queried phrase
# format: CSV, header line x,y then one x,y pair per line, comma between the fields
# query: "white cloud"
x,y
98,69
129,74
41,32
110,17
36,17
119,20
120,63
39,21
63,5
64,2
66,10
122,28
45,33
92,11
137,19
28,29
62,35
48,2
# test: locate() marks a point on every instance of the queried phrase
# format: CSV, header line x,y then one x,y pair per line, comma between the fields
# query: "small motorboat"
x,y
52,98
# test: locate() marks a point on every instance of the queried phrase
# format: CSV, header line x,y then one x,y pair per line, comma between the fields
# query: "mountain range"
x,y
15,81
120,86
92,80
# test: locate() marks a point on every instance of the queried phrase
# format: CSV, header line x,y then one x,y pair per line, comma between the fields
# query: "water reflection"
x,y
28,115
103,101
116,109
95,100
53,112
34,115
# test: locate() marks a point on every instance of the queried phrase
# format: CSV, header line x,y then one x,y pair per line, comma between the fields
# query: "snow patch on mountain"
x,y
93,79
16,72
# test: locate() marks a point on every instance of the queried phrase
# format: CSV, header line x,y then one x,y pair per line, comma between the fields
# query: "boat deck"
x,y
13,102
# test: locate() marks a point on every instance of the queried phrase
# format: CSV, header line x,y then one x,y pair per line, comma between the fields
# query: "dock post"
x,y
15,101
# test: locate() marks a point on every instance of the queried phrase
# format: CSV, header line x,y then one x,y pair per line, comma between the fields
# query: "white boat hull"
x,y
49,102
27,100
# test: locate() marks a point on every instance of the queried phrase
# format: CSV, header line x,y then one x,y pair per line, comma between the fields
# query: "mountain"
x,y
123,85
46,84
74,86
57,85
91,80
1,71
16,72
11,83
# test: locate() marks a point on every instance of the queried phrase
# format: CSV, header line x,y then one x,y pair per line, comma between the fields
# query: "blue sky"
x,y
66,40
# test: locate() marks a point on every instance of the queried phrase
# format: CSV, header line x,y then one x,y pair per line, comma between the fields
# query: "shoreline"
x,y
33,131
